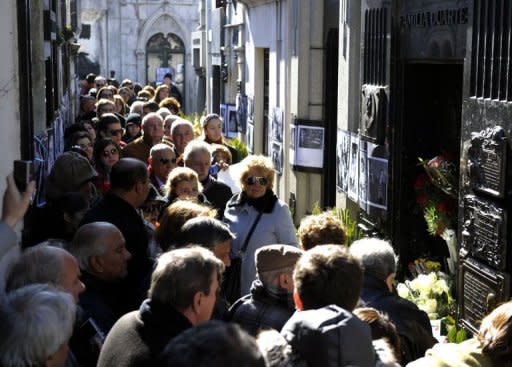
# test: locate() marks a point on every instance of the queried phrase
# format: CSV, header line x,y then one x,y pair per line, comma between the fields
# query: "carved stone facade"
x,y
119,33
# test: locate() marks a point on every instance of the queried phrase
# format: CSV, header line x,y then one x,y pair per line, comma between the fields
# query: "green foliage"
x,y
195,120
454,334
238,145
351,228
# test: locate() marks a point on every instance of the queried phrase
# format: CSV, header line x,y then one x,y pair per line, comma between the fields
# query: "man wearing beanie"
x,y
270,303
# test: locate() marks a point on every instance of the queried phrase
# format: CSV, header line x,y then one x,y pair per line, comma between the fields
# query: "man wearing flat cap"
x,y
270,303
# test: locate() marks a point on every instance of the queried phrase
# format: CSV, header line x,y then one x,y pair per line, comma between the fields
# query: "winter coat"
x,y
140,336
261,310
412,324
468,353
275,226
330,337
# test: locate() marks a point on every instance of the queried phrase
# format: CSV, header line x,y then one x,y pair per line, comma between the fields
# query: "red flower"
x,y
421,199
441,207
420,181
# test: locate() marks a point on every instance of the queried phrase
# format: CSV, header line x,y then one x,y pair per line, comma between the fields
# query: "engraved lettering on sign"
x,y
484,231
487,161
482,289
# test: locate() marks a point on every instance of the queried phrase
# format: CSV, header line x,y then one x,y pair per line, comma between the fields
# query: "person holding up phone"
x,y
15,205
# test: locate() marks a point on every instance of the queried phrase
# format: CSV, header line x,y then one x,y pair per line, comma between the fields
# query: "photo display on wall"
x,y
231,121
307,145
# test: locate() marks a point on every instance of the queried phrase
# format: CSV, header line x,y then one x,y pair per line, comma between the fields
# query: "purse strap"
x,y
249,234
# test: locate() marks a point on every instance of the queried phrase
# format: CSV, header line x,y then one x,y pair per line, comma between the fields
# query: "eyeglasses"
x,y
113,151
167,160
251,180
117,131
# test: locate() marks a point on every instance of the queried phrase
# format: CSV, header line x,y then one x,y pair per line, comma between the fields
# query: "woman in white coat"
x,y
275,224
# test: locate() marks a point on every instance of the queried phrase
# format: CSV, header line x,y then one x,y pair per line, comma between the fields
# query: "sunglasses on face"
x,y
115,132
251,180
107,153
167,160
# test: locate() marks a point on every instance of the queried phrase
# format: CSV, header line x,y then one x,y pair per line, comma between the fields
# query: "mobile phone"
x,y
23,174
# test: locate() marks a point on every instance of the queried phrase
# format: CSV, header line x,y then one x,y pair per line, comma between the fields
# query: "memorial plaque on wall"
x,y
484,231
482,290
487,161
373,113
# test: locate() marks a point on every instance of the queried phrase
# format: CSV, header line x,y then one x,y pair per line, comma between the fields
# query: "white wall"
x,y
9,91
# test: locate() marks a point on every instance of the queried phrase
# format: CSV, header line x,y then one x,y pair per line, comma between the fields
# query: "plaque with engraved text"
x,y
484,231
487,161
481,290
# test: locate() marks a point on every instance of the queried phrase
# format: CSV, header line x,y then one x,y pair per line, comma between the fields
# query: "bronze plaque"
x,y
484,231
487,161
373,113
481,290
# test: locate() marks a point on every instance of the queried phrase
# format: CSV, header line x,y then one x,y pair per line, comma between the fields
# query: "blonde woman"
x,y
257,206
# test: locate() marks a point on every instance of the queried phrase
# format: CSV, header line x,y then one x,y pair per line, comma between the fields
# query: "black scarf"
x,y
263,204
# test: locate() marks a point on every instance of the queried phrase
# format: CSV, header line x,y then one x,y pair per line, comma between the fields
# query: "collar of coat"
x,y
264,204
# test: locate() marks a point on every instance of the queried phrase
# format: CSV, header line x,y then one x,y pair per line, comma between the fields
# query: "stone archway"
x,y
166,54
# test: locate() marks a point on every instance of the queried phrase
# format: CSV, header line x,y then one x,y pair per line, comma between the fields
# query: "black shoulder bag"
x,y
232,275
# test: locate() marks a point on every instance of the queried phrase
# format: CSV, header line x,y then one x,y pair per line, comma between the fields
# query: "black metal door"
x,y
484,187
374,119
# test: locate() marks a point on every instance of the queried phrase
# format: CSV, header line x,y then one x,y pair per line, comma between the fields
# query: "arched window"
x,y
166,54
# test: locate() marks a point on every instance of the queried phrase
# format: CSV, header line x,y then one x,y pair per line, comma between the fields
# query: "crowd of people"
x,y
141,256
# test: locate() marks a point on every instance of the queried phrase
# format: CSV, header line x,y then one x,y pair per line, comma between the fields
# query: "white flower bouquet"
x,y
430,292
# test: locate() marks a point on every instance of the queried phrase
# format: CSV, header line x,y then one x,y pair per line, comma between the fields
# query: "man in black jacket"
x,y
270,303
129,189
100,250
412,324
182,294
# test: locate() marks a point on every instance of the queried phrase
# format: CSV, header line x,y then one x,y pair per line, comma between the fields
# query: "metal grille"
x,y
491,59
375,46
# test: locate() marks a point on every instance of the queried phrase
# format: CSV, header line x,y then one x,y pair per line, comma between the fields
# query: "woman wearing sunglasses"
x,y
106,154
259,209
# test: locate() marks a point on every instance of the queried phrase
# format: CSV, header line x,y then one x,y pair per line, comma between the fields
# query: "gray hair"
x,y
270,278
181,273
163,112
135,105
150,116
181,122
194,147
38,264
37,320
377,256
89,241
160,147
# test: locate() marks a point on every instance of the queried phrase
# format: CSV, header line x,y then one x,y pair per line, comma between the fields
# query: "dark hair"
x,y
126,173
151,105
73,138
74,128
205,231
99,146
326,275
212,344
90,77
105,120
136,88
174,216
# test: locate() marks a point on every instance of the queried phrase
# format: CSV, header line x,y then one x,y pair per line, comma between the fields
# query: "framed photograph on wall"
x,y
232,125
250,138
241,112
342,159
307,145
223,114
277,157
